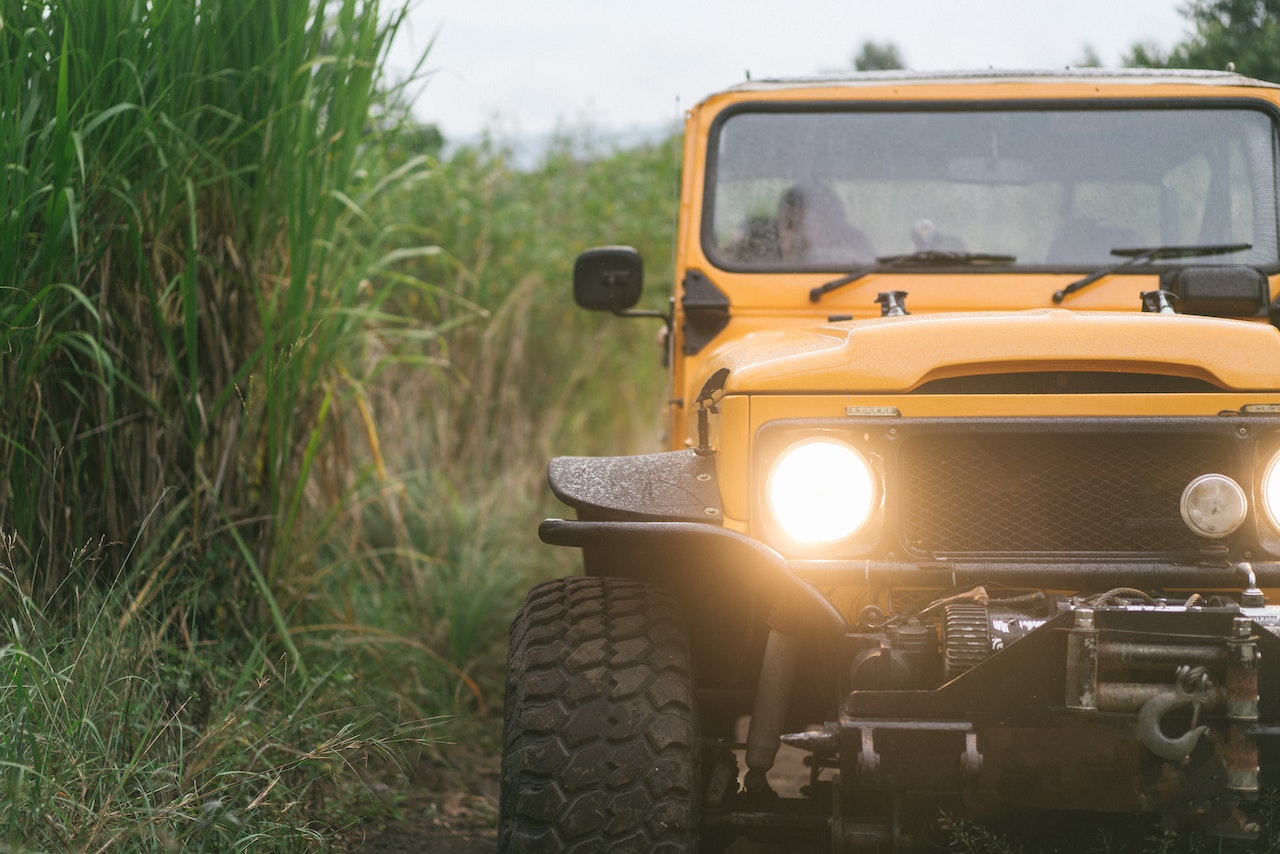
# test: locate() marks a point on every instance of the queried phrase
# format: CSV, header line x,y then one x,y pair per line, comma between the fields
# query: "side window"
x,y
746,220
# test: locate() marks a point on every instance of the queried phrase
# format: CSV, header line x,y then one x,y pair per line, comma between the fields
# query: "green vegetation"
x,y
1239,34
444,548
187,231
1242,34
279,386
878,56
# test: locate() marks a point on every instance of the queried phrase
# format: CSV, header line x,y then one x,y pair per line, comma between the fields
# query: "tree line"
x,y
1240,35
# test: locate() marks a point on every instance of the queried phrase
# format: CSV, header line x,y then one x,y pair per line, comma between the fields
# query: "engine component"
x,y
906,657
971,633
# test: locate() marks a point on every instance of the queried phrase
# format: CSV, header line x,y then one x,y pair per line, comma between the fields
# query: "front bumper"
x,y
677,549
1163,709
1093,709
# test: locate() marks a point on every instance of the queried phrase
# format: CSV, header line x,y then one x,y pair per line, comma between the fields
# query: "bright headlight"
x,y
1271,491
820,491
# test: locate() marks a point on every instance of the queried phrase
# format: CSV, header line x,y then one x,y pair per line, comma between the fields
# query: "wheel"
x,y
599,741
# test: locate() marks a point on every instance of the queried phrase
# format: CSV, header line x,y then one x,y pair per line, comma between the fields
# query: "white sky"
x,y
526,68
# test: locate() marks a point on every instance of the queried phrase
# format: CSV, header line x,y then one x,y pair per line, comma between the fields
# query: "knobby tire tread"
x,y
599,736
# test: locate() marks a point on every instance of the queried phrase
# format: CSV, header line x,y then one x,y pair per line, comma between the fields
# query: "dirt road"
x,y
454,810
448,805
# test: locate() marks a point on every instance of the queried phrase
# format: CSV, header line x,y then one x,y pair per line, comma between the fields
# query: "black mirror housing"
x,y
608,278
1219,291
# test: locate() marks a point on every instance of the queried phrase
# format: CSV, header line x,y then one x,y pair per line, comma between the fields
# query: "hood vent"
x,y
1068,382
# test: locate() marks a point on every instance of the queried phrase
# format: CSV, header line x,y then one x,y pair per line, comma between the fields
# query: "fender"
x,y
674,486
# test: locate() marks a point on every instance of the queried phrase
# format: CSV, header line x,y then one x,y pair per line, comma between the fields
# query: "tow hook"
x,y
1192,689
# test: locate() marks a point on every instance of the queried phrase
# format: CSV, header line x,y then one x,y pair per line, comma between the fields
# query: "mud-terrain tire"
x,y
599,739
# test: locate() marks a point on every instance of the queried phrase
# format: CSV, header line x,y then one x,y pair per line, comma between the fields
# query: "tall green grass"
x,y
117,738
544,375
469,424
277,390
198,264
182,197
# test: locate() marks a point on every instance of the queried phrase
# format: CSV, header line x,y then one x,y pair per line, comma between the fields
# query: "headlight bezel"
x,y
1269,489
773,447
1199,496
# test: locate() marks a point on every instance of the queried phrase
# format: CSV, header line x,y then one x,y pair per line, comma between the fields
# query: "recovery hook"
x,y
1192,689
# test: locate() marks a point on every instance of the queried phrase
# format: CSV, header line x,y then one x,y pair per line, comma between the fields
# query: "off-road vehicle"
x,y
972,491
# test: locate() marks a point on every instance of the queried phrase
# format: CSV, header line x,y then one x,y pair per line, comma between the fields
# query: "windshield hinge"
x,y
706,311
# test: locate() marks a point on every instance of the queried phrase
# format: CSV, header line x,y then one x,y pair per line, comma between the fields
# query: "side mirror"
x,y
608,278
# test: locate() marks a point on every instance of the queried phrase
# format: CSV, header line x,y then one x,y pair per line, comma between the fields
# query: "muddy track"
x,y
453,808
447,805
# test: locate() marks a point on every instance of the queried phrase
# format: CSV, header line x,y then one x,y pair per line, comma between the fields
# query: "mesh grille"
x,y
1000,493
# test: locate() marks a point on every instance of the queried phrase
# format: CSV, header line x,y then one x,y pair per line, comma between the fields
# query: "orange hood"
x,y
898,354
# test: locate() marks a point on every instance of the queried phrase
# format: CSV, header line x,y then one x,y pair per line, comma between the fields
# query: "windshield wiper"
x,y
928,257
1145,255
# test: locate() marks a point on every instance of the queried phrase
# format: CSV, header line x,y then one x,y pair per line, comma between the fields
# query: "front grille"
x,y
1051,493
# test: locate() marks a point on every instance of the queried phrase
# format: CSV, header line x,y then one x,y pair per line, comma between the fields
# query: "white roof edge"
x,y
993,75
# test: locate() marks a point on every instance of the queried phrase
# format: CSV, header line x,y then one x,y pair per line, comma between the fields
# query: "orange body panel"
x,y
768,301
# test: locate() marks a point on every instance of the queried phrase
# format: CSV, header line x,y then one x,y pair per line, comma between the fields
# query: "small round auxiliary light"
x,y
1213,505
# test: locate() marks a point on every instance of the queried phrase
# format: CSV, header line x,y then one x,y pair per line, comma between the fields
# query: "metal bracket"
x,y
868,759
971,759
706,311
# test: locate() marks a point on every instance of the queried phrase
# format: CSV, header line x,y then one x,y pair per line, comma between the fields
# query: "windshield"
x,y
1055,188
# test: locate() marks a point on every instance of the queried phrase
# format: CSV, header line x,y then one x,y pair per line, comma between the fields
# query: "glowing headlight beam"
x,y
1270,491
821,491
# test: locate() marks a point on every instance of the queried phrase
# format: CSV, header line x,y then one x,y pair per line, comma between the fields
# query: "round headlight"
x,y
821,491
1271,491
1213,505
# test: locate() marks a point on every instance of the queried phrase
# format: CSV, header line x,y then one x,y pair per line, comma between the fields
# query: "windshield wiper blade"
x,y
927,257
1145,255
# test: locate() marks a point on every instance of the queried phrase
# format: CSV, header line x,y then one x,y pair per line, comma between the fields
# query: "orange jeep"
x,y
972,495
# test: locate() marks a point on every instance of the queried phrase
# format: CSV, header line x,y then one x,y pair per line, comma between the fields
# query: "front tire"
x,y
599,736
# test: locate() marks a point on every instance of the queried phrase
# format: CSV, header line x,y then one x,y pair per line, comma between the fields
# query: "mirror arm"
x,y
667,323
664,316
643,312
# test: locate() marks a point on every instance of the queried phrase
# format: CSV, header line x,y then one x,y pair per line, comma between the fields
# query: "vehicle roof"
x,y
1130,76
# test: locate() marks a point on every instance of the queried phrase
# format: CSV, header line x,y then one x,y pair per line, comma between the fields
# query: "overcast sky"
x,y
526,68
